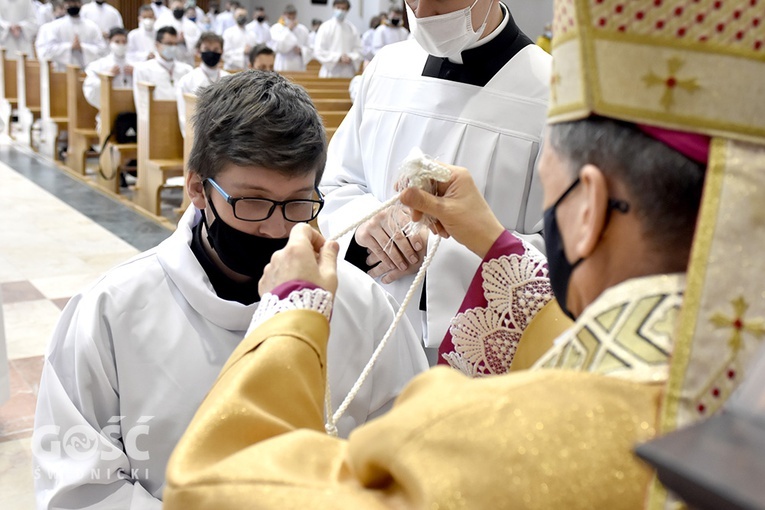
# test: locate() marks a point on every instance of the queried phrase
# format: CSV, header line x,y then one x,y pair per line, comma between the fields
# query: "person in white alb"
x,y
163,71
367,38
73,40
141,40
210,49
159,8
43,37
188,31
103,15
289,39
115,63
133,355
338,45
472,90
392,31
44,11
18,27
225,18
259,27
237,42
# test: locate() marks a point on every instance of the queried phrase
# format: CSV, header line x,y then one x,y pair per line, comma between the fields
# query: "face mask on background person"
x,y
119,50
177,13
157,2
446,35
147,24
395,21
210,58
73,11
167,52
241,20
261,19
340,14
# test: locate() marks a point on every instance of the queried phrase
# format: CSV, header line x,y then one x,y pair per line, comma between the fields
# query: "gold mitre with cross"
x,y
696,66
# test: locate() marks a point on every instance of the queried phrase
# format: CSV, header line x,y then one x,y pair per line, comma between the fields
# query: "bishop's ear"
x,y
195,189
593,211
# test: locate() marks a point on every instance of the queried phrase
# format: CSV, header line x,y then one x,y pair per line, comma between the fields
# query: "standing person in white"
x,y
159,8
392,31
225,19
472,90
289,39
133,356
338,45
18,27
103,15
237,42
210,49
367,38
141,40
44,12
163,71
188,31
44,33
73,40
259,27
115,63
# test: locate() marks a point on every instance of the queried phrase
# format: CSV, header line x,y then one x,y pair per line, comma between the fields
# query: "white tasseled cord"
x,y
417,171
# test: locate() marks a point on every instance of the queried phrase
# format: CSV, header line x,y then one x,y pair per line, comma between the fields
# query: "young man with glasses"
x,y
134,355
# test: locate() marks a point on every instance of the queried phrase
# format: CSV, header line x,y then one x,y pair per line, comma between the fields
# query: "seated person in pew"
x,y
115,63
18,26
209,49
134,354
261,58
188,31
141,40
163,71
73,40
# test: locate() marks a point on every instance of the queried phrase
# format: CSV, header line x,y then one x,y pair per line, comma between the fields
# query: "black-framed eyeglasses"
x,y
260,209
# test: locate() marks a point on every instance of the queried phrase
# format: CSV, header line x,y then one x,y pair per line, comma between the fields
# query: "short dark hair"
x,y
257,118
117,31
209,37
290,9
166,30
396,10
258,8
259,49
375,21
316,21
145,8
344,2
664,186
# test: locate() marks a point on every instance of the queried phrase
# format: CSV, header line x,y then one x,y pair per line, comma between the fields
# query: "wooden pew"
x,y
313,66
113,102
324,83
330,133
82,121
188,142
160,147
332,119
28,86
332,105
8,90
54,107
329,94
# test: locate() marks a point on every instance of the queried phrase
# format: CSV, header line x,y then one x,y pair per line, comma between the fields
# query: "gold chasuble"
x,y
646,357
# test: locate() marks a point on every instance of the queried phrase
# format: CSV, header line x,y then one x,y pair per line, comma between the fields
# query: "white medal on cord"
x,y
417,171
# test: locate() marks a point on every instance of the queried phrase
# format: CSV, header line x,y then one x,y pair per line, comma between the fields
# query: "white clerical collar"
x,y
491,36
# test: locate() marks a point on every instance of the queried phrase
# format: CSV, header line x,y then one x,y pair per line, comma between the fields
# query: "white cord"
x,y
385,205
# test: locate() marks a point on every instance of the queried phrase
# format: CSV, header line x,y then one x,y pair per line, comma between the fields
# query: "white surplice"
x,y
23,14
145,343
235,40
91,87
261,30
385,35
59,45
160,9
104,15
141,43
163,74
333,40
197,79
284,42
495,131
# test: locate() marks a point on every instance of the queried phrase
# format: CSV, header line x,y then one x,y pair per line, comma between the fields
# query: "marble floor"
x,y
57,235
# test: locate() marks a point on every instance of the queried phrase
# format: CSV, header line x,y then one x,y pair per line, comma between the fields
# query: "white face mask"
x,y
167,52
147,24
340,14
446,35
119,50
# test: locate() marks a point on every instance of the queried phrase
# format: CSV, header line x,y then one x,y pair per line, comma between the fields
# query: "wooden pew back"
x,y
31,70
9,89
81,125
113,102
188,141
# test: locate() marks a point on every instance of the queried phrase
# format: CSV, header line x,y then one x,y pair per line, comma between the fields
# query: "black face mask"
x,y
157,2
558,265
245,254
261,19
241,20
395,21
210,58
177,13
73,11
100,2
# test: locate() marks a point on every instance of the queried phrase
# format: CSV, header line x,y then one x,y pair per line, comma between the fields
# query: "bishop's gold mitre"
x,y
696,66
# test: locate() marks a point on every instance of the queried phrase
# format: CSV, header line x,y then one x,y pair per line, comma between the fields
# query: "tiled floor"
x,y
57,235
